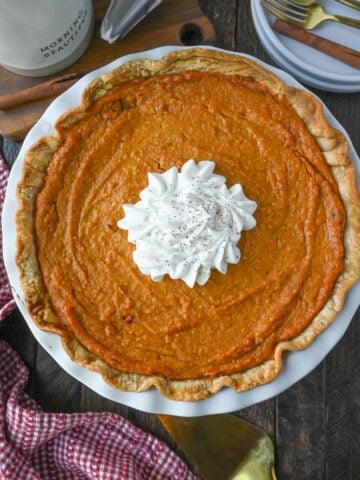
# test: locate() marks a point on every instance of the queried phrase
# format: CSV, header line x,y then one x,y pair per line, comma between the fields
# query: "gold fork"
x,y
349,3
307,17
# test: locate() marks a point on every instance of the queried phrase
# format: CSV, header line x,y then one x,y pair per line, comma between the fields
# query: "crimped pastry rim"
x,y
336,155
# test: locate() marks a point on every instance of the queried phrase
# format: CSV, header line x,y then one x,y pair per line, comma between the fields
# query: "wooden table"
x,y
315,424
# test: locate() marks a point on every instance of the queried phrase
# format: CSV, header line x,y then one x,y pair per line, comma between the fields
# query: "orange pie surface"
x,y
290,260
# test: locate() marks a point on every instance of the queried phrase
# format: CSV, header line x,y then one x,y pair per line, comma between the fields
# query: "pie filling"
x,y
289,261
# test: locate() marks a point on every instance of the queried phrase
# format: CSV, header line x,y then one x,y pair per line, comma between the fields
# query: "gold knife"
x,y
223,447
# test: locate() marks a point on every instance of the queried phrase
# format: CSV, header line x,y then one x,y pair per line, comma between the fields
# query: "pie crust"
x,y
335,150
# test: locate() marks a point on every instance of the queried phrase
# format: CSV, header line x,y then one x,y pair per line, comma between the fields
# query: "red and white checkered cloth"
x,y
56,446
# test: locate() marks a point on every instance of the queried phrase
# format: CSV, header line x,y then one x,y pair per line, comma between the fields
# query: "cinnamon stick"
x,y
50,88
336,50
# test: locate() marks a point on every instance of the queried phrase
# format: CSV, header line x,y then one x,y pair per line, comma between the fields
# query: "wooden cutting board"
x,y
174,22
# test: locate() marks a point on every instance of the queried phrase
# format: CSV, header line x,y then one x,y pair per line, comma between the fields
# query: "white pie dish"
x,y
296,365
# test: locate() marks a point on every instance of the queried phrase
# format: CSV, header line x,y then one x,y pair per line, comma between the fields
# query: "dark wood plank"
x,y
305,447
342,393
10,150
346,108
16,333
53,388
342,379
223,15
148,422
14,329
300,429
246,38
262,414
90,401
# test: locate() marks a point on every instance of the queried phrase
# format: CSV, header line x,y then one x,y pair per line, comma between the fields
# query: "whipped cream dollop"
x,y
187,223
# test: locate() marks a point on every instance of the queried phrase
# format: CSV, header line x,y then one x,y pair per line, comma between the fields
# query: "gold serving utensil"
x,y
223,447
349,3
307,17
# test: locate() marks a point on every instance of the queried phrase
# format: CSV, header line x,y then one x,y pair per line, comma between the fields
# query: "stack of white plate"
x,y
308,65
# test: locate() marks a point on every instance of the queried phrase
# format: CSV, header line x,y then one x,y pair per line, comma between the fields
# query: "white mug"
x,y
40,37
